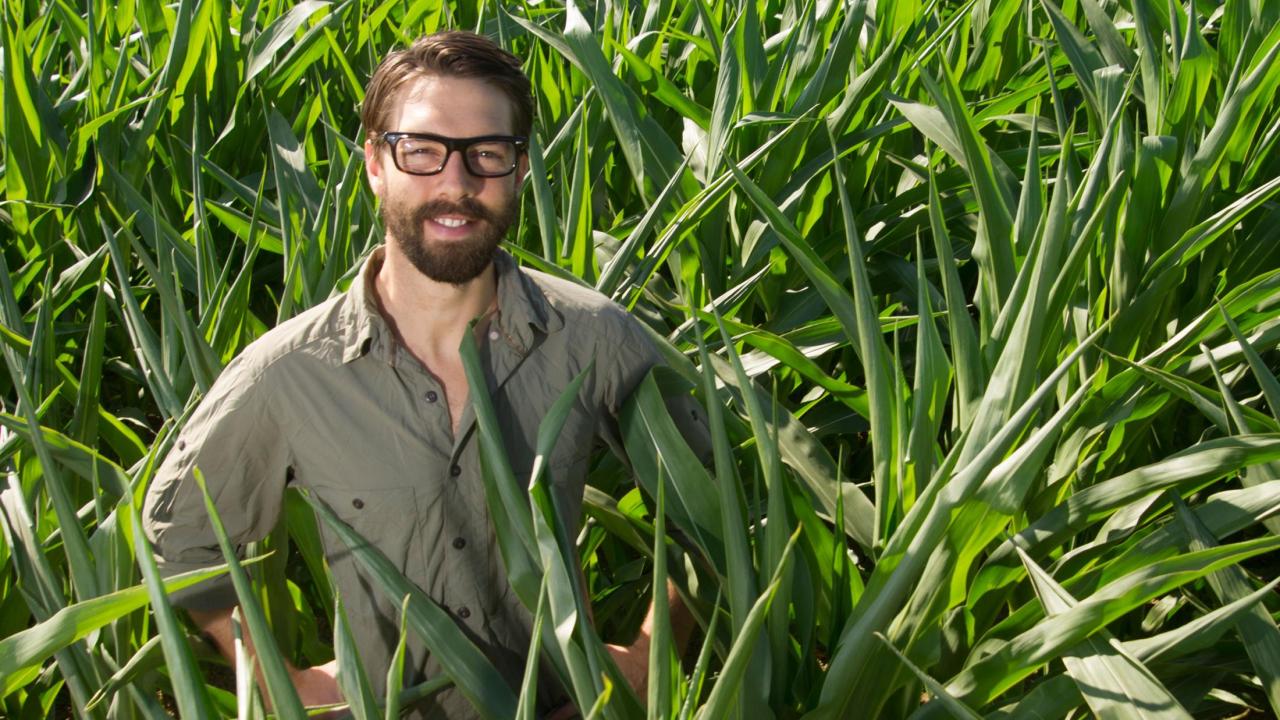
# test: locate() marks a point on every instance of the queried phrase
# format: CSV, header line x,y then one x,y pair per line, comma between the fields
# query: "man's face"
x,y
446,225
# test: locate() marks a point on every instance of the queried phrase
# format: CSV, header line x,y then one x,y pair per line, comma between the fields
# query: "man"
x,y
363,399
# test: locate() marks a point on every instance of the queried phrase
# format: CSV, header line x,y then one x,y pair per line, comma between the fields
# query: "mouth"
x,y
451,221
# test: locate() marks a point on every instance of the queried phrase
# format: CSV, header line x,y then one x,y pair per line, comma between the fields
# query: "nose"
x,y
455,178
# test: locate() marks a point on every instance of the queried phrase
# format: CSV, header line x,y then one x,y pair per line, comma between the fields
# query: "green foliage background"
x,y
982,297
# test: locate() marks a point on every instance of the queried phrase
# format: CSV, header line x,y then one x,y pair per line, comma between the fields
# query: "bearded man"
x,y
363,401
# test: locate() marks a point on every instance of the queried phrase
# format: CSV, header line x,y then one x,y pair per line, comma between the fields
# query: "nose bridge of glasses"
x,y
462,146
453,146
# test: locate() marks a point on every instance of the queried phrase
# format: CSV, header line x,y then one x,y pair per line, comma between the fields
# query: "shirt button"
x,y
432,396
357,504
182,444
454,471
464,613
493,334
459,543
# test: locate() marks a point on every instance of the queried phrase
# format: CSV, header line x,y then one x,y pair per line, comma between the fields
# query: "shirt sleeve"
x,y
632,357
240,451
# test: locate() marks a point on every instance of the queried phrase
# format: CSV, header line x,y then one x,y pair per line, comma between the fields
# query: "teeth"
x,y
451,222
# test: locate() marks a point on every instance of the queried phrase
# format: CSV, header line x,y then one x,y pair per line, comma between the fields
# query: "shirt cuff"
x,y
215,593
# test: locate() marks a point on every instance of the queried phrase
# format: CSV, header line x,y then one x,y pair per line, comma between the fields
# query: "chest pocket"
x,y
387,519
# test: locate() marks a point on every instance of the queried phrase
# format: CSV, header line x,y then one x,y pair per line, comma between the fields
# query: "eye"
x,y
491,152
420,151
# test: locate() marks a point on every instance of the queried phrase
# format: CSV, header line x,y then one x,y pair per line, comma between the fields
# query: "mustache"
x,y
468,207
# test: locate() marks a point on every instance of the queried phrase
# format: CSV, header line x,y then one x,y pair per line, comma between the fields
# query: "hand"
x,y
633,660
318,686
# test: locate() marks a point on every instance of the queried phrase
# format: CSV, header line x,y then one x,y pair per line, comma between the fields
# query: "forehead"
x,y
452,106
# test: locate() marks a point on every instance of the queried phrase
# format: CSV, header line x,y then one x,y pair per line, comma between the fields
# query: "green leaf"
x,y
1213,149
1009,662
883,386
23,654
507,505
1084,58
773,548
267,655
352,678
1257,629
649,153
903,561
1205,461
1114,684
268,44
662,89
395,669
740,575
529,684
662,648
462,661
188,685
957,708
725,692
811,461
659,453
964,338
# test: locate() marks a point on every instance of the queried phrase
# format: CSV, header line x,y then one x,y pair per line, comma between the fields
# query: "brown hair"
x,y
452,53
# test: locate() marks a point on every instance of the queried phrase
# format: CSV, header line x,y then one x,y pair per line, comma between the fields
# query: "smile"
x,y
451,222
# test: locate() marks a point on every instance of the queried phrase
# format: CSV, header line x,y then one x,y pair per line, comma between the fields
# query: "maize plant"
x,y
982,299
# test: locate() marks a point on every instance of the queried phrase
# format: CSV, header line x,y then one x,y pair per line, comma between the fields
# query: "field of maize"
x,y
982,297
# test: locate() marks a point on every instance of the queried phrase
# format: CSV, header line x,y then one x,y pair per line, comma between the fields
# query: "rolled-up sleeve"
x,y
240,451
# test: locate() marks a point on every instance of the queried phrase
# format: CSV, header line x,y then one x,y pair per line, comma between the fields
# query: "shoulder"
x,y
598,329
581,307
319,333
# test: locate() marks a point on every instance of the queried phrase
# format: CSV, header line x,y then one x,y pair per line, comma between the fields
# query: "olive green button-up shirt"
x,y
332,402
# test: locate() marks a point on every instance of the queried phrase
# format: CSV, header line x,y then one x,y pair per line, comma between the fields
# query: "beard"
x,y
455,262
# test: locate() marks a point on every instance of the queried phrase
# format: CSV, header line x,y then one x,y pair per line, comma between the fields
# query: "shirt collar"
x,y
367,331
522,306
523,309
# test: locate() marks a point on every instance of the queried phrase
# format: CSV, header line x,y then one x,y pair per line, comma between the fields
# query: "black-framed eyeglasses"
x,y
427,154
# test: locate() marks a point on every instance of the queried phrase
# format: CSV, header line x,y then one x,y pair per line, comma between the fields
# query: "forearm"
x,y
315,685
218,627
682,621
633,659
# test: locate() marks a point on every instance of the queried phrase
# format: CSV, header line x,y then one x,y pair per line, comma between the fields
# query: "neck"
x,y
430,317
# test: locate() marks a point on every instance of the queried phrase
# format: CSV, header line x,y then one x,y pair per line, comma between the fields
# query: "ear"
x,y
373,166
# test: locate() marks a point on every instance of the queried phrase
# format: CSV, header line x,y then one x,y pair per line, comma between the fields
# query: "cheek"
x,y
400,191
505,191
